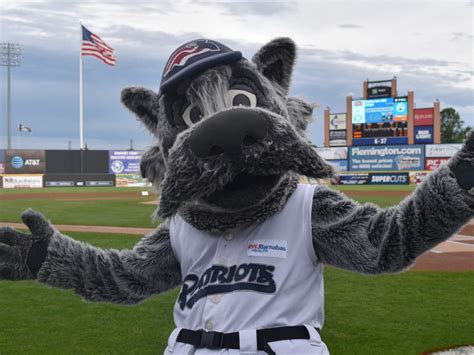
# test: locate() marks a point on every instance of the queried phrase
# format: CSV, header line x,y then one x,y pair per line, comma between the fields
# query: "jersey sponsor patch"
x,y
226,279
271,248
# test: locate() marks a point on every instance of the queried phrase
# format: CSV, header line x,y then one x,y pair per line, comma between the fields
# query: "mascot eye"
x,y
191,115
239,97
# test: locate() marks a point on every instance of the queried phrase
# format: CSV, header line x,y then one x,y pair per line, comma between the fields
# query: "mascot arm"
x,y
127,276
368,239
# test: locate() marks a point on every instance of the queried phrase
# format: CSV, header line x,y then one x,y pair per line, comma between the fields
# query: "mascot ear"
x,y
152,166
300,112
144,103
275,61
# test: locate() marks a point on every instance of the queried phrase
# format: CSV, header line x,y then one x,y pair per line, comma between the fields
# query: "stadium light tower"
x,y
10,56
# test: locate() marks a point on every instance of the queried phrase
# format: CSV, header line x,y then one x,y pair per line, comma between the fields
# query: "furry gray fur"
x,y
368,239
361,238
128,276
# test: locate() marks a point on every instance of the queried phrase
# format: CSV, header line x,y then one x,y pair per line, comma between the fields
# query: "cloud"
x,y
461,35
349,25
254,8
434,62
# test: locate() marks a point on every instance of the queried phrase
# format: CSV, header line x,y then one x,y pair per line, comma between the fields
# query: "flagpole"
x,y
81,126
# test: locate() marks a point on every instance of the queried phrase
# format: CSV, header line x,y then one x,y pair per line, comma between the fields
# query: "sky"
x,y
427,45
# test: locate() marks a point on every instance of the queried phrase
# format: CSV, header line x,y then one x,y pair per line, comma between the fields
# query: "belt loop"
x,y
248,342
314,337
172,339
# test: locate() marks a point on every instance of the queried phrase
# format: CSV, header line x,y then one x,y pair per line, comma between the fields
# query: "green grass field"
x,y
395,314
122,211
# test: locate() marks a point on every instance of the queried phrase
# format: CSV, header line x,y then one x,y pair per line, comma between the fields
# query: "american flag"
x,y
94,45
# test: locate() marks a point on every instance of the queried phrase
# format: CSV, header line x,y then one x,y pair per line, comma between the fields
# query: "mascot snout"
x,y
227,132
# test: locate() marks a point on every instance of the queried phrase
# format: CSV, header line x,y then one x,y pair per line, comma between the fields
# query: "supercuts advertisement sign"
x,y
396,157
389,179
19,161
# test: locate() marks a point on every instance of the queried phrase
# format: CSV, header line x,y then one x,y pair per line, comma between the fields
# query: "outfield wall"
x,y
391,164
23,168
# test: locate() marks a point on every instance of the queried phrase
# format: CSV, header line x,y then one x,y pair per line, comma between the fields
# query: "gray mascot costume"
x,y
244,240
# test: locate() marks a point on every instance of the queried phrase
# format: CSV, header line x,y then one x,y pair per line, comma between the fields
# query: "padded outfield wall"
x,y
390,164
24,168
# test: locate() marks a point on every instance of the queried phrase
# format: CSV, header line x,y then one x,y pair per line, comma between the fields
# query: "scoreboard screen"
x,y
380,118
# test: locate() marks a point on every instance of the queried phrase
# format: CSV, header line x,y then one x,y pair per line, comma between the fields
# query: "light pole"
x,y
10,56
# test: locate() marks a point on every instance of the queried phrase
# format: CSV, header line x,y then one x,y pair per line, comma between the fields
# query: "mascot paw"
x,y
462,164
21,255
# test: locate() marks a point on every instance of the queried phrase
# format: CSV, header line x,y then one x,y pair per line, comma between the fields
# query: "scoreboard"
x,y
380,121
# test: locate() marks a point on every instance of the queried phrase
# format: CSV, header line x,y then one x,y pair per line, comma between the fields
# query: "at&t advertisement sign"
x,y
24,161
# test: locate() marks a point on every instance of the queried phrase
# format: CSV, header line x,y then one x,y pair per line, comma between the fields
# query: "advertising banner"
x,y
131,180
22,181
379,91
397,157
332,153
434,163
124,161
338,138
423,134
71,180
339,165
350,179
389,178
20,161
423,116
417,177
442,150
2,161
337,121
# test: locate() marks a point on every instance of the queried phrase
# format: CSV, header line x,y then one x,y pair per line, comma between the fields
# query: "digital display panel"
x,y
385,117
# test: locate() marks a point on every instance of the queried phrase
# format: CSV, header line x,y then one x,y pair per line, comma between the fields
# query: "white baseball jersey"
x,y
263,275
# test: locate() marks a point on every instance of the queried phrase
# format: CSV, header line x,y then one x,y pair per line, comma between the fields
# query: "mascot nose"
x,y
227,132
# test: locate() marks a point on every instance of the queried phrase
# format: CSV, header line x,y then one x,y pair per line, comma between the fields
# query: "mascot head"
x,y
231,142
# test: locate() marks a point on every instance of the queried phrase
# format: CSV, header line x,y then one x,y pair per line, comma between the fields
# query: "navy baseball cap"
x,y
195,57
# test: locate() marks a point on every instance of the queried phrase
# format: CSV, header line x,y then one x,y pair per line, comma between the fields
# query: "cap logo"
x,y
180,57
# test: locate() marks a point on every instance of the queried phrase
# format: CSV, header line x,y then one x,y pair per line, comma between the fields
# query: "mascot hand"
x,y
462,164
21,255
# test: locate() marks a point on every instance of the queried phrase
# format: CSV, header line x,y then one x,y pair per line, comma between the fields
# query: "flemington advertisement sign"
x,y
124,161
397,157
20,161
